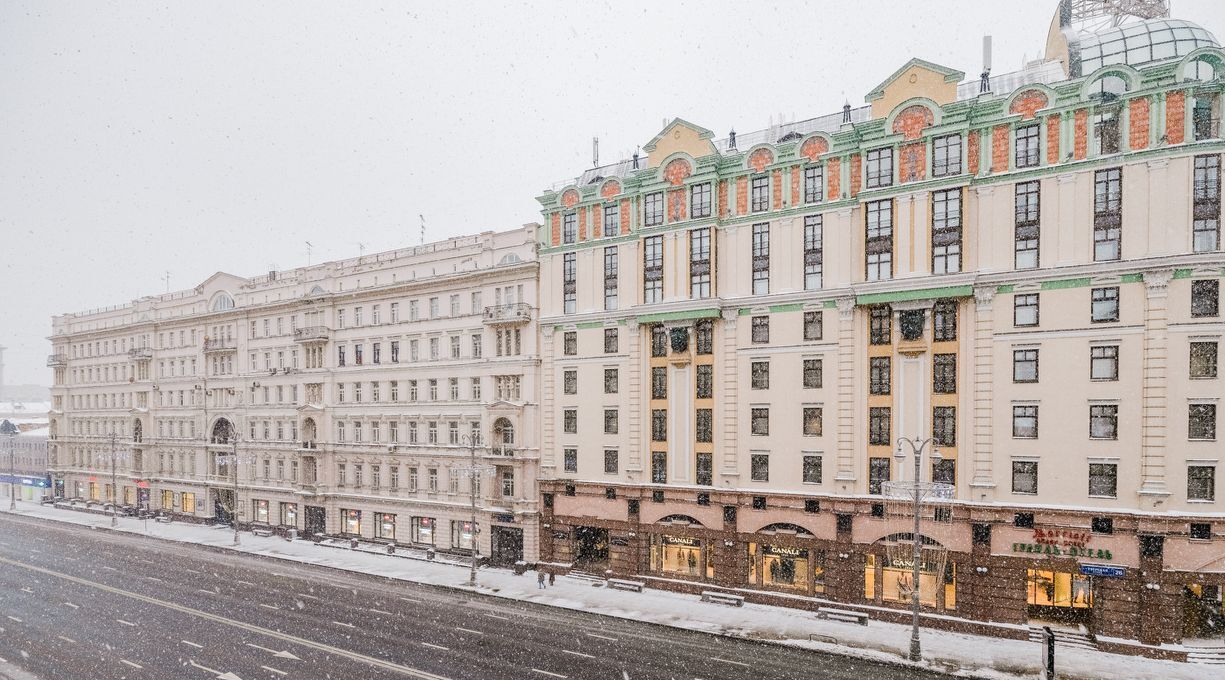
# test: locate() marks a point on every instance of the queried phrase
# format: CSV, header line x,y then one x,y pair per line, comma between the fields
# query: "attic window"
x,y
222,302
789,137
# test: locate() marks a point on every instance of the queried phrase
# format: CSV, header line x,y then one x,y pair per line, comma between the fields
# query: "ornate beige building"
x,y
1025,269
353,389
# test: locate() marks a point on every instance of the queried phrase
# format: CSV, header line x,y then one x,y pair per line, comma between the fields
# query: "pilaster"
x,y
847,379
726,381
1153,393
548,441
637,366
983,481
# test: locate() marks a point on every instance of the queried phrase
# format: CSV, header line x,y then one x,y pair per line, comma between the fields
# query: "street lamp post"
x,y
474,472
917,446
114,484
11,431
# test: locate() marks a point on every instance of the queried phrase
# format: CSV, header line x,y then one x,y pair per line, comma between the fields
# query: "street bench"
x,y
722,598
264,531
625,584
842,615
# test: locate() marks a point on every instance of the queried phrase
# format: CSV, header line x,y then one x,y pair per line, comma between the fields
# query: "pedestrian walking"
x,y
552,578
539,578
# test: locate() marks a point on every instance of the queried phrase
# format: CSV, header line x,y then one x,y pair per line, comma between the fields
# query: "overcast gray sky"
x,y
193,137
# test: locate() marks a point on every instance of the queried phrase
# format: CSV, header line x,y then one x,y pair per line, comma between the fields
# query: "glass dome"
x,y
1142,42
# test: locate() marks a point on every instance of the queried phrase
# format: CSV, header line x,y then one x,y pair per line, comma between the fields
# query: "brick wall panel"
x,y
912,160
833,178
1138,120
1175,111
856,174
555,224
742,195
795,185
999,148
722,198
1080,134
1027,103
625,216
1052,139
777,189
597,219
972,153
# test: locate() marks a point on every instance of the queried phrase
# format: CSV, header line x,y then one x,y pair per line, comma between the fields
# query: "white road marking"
x,y
221,620
109,568
380,611
14,618
280,655
588,656
602,637
209,592
268,606
189,642
409,599
67,639
498,616
126,623
436,646
154,578
309,597
26,590
554,675
133,665
730,661
346,625
469,630
245,583
204,668
74,606
273,670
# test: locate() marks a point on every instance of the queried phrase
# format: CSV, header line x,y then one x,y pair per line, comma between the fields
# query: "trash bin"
x,y
391,548
353,543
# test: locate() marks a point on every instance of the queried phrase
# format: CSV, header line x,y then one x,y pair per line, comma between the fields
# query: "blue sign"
x,y
40,482
504,518
1101,570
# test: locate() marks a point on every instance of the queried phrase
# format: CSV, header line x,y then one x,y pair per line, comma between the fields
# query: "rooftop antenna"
x,y
595,152
309,245
361,249
635,158
422,227
985,84
166,278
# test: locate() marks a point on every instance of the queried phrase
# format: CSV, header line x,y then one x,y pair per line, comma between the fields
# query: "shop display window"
x,y
1059,589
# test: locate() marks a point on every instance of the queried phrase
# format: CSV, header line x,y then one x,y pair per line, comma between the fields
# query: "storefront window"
x,y
188,502
351,521
869,577
897,582
385,525
679,555
783,566
1059,589
461,535
167,500
129,495
423,530
260,511
289,514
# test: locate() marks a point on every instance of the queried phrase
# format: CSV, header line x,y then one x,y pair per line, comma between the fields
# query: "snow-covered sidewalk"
x,y
959,654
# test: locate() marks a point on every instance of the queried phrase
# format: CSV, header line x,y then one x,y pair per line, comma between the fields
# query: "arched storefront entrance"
x,y
889,572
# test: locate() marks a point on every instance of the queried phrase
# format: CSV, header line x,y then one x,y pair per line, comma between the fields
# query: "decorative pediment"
x,y
679,136
916,78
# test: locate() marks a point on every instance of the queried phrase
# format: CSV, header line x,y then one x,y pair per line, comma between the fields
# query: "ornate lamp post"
x,y
473,472
918,492
10,430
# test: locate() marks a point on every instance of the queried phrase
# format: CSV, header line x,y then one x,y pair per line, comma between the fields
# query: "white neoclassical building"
x,y
351,390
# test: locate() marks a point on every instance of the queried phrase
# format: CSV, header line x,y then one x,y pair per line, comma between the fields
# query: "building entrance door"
x,y
591,546
316,521
507,547
223,506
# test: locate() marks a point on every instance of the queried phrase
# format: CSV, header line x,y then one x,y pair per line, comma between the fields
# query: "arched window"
x,y
308,432
503,433
223,432
222,301
138,431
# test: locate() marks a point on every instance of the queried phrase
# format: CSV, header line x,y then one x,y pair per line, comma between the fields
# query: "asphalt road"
x,y
78,603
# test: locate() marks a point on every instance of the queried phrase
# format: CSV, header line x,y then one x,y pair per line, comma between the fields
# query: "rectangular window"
x,y
1104,362
1104,421
880,168
1025,476
610,340
1201,421
570,382
1206,208
1203,360
812,469
946,231
610,462
699,263
879,428
879,244
1025,365
760,375
569,282
813,253
1025,422
569,227
760,421
944,373
612,219
761,259
611,381
946,156
659,382
659,341
611,271
699,200
1105,305
611,421
659,467
814,184
570,421
812,421
759,467
1205,298
1108,214
878,474
1106,130
881,325
1103,480
1201,483
704,419
1025,310
944,425
880,370
704,473
704,384
812,374
1027,146
570,459
761,329
760,193
653,209
653,269
813,325
1028,202
944,320
570,343
659,425
704,333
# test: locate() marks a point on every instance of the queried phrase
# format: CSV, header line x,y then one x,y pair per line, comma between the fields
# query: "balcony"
x,y
57,360
140,353
312,334
308,446
220,345
519,312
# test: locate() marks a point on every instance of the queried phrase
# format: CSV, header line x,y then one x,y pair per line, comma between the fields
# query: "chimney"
x,y
731,140
984,84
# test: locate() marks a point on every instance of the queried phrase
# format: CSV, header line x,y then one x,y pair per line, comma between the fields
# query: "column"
x,y
983,482
847,381
1153,388
548,448
726,389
